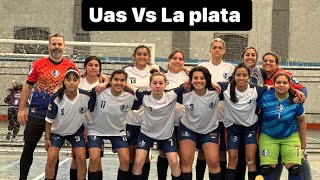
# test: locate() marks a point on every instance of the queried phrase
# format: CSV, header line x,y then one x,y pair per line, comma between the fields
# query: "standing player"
x,y
199,125
241,120
270,64
220,72
283,129
47,75
176,75
108,122
65,117
138,76
249,56
92,72
158,124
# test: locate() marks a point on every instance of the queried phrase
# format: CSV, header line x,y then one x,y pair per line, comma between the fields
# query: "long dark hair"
x,y
206,74
290,91
70,72
233,83
118,71
90,58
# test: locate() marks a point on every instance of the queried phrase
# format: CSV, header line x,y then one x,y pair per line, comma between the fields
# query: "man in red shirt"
x,y
45,76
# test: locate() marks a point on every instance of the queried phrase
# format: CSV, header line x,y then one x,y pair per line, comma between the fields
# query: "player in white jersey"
x,y
158,124
108,122
92,72
241,120
199,125
138,76
176,75
220,72
64,121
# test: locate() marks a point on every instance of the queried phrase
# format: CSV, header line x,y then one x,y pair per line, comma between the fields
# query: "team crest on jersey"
x,y
55,73
124,108
211,105
265,152
133,80
294,80
82,110
225,75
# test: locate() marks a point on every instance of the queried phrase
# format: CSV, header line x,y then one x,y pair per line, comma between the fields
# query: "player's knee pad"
x,y
295,170
266,170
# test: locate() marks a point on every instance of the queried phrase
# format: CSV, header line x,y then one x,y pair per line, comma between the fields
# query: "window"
x,y
31,33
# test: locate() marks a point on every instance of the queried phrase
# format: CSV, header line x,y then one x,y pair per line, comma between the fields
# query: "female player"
x,y
64,121
108,122
176,75
199,125
92,72
158,124
283,129
241,120
270,64
138,76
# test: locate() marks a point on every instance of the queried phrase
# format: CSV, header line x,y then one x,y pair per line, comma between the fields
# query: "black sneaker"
x,y
8,135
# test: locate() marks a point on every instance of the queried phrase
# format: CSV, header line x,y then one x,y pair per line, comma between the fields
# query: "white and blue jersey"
x,y
175,80
85,85
219,73
139,79
159,114
201,111
242,112
110,112
279,116
67,116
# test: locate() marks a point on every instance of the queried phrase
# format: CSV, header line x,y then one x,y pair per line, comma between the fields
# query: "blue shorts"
x,y
76,139
116,141
199,139
237,133
221,131
132,134
176,135
168,145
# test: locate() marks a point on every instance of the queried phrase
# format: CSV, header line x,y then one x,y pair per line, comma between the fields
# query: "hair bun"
x,y
152,71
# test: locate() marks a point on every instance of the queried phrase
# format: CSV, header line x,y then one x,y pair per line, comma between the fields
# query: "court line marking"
x,y
41,176
9,165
